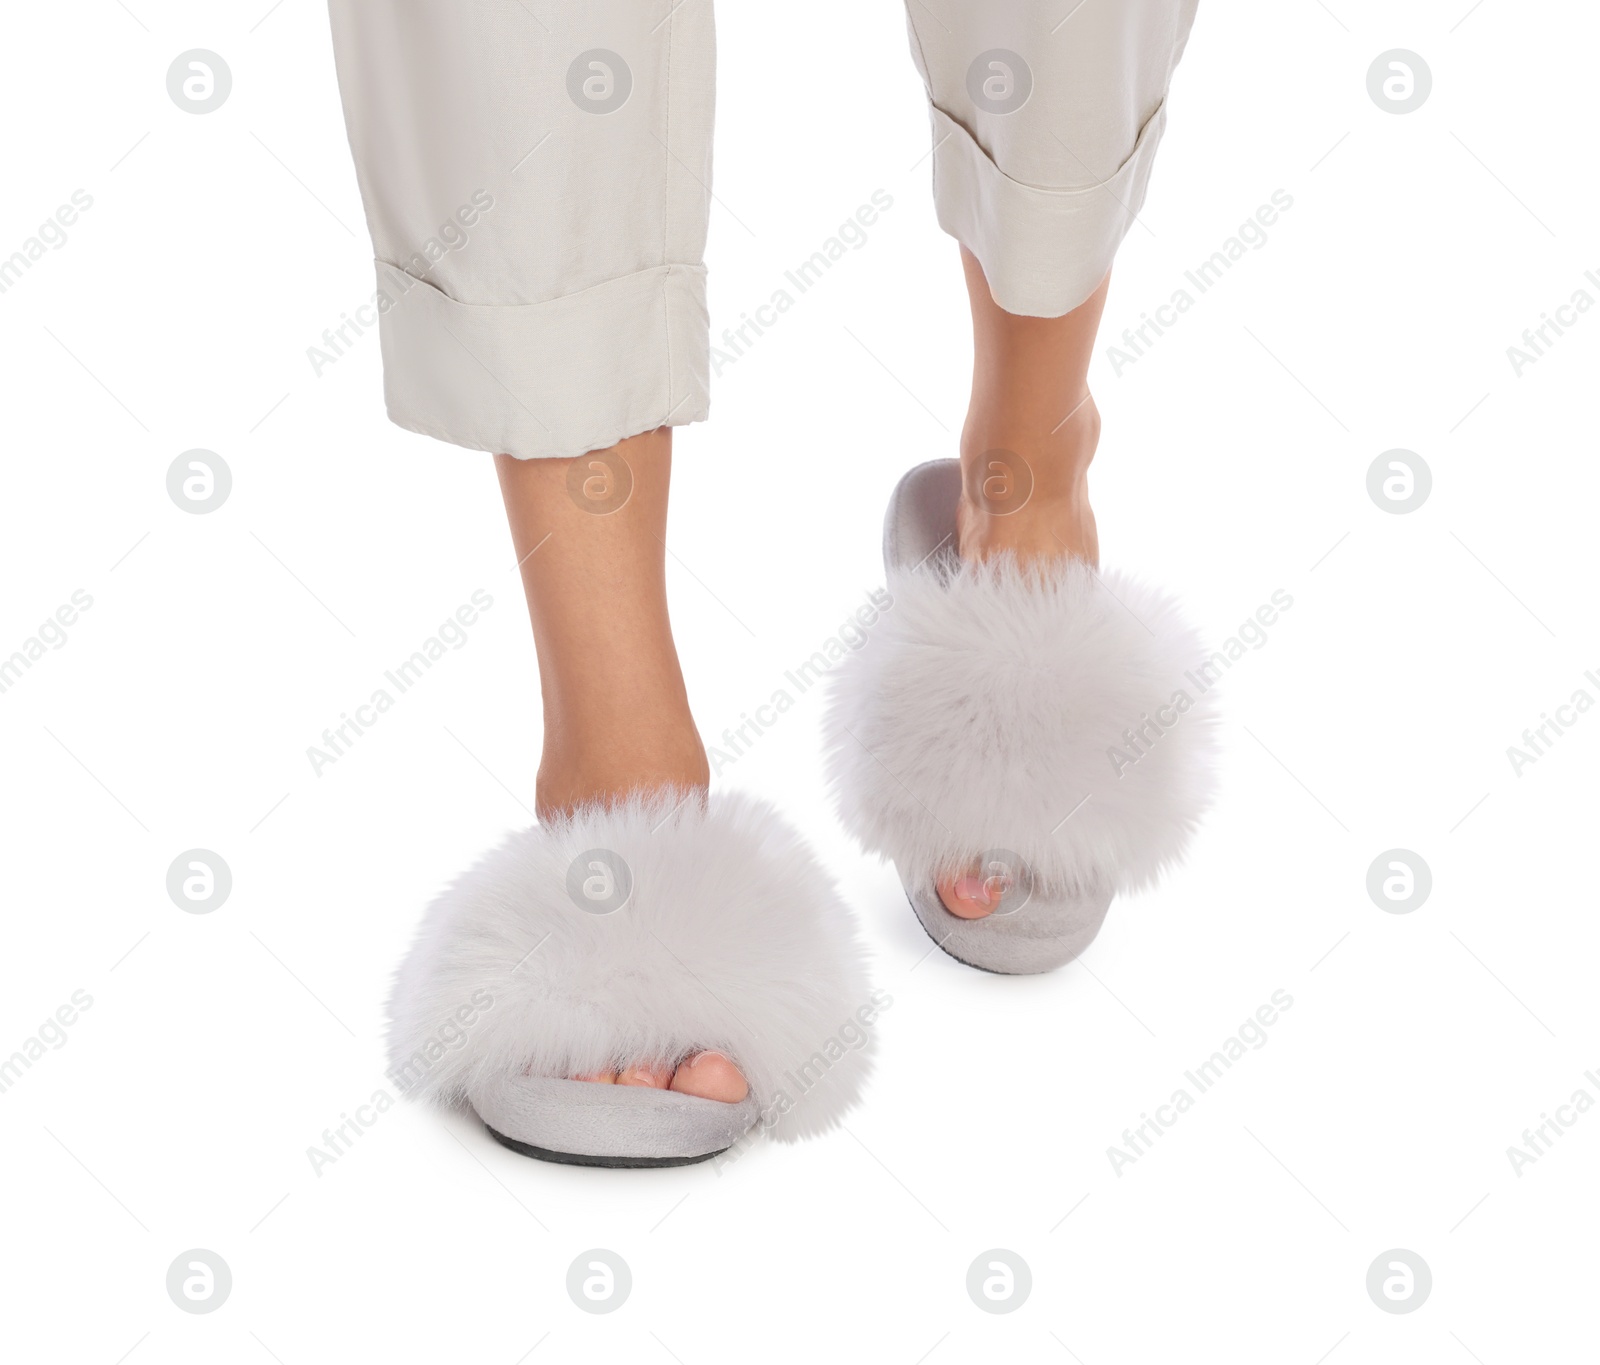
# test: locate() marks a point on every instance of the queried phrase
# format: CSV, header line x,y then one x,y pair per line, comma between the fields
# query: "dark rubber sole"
x,y
613,1162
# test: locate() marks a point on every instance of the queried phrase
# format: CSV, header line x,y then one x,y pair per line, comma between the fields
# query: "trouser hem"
x,y
549,380
1043,251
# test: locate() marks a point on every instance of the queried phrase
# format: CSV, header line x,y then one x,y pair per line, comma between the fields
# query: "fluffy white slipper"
x,y
1044,723
638,933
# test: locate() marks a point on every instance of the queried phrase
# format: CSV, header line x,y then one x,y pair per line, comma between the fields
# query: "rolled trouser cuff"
x,y
1043,251
548,380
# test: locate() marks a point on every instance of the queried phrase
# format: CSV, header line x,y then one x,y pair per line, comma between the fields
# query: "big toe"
x,y
969,897
711,1076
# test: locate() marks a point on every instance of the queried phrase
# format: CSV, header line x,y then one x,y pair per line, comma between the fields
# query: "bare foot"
x,y
1029,495
709,1075
1031,433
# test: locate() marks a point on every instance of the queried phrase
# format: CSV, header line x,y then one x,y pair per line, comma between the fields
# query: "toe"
x,y
969,897
656,1077
600,1077
711,1076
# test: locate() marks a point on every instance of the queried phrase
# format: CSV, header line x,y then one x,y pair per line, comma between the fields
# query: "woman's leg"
x,y
1031,429
616,715
536,190
1045,131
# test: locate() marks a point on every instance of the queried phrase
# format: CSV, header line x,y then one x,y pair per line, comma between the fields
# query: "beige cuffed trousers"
x,y
537,179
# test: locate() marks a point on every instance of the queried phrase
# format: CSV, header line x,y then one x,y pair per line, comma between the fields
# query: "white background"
x,y
218,1047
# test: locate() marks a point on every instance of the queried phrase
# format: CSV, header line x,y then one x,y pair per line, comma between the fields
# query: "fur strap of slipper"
x,y
1056,713
640,933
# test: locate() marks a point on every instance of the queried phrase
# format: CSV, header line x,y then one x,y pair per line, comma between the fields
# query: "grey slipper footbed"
x,y
1038,937
586,1123
919,528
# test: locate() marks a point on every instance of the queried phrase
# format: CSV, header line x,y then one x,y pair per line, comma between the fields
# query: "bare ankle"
x,y
1025,487
564,784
